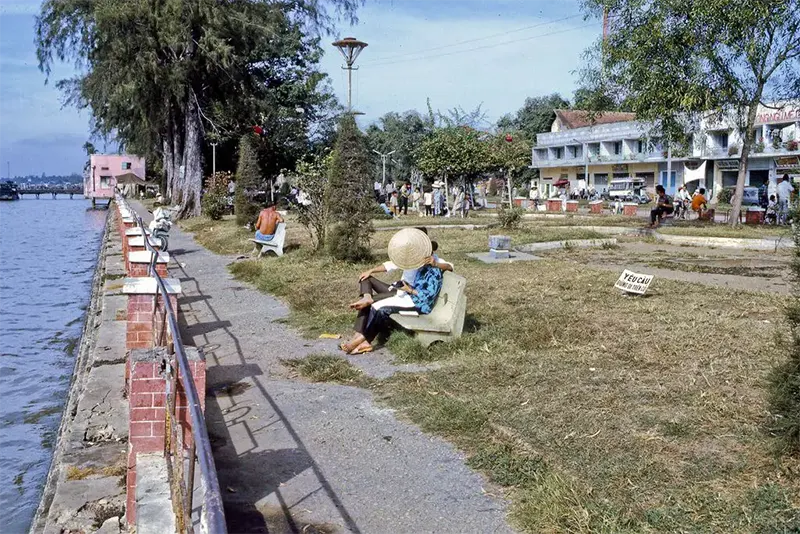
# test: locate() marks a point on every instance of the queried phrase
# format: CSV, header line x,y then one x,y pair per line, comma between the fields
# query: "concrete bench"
x,y
446,320
276,245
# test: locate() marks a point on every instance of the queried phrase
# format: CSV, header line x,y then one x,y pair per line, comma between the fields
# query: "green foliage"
x,y
215,200
725,195
672,60
311,177
185,70
248,178
510,217
456,150
402,134
535,116
350,199
785,379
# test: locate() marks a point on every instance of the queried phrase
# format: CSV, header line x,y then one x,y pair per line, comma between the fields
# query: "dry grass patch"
x,y
598,413
327,368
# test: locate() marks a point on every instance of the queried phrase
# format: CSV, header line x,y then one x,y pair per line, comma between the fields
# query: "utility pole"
x,y
384,157
350,47
213,158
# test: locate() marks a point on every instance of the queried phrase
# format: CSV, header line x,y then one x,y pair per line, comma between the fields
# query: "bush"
x,y
215,200
725,196
346,242
350,197
785,379
510,218
248,177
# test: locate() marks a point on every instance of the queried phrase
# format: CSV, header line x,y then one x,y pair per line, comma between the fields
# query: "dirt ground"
x,y
732,269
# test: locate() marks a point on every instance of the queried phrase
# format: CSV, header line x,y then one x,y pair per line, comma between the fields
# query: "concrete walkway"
x,y
299,457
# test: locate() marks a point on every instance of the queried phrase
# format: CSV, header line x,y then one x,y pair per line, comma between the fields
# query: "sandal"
x,y
361,350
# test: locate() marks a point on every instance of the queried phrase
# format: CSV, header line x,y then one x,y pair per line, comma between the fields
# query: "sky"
x,y
417,51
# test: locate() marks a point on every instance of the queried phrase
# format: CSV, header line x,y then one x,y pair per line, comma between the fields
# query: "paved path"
x,y
294,456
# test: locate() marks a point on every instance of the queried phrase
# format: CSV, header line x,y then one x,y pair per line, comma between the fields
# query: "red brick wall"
x,y
139,270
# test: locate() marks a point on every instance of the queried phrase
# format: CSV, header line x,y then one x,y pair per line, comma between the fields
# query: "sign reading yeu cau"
x,y
631,282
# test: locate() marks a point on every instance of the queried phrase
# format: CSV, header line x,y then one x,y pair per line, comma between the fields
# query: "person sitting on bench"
x,y
412,250
267,221
663,206
699,203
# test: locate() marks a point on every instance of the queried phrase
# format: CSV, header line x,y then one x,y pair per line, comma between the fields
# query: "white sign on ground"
x,y
631,282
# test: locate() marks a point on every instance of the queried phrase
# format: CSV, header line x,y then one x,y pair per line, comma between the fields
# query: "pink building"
x,y
104,169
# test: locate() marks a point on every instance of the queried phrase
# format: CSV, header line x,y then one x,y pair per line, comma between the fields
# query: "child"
x,y
393,204
772,210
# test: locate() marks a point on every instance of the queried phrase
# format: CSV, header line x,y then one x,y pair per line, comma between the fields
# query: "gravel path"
x,y
294,456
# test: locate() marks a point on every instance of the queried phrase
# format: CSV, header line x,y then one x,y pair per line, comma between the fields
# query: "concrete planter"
x,y
572,206
553,205
630,210
596,206
754,216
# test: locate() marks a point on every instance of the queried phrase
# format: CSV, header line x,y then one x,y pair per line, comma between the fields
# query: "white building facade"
x,y
590,157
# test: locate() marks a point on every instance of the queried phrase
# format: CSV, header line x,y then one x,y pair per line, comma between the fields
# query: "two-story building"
x,y
101,179
589,154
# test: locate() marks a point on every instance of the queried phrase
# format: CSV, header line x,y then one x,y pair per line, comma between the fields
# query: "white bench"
x,y
446,320
275,245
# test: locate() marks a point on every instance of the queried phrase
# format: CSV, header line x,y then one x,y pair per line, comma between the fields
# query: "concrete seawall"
x,y
85,487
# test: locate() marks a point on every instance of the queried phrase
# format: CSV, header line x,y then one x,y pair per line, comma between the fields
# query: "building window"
x,y
573,152
722,139
559,152
617,148
105,182
639,146
126,165
103,168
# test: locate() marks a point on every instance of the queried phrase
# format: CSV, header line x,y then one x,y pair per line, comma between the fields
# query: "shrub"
x,y
725,196
248,177
350,198
215,200
510,218
347,242
785,379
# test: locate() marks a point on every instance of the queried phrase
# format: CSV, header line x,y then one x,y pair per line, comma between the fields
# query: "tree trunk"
x,y
192,180
747,143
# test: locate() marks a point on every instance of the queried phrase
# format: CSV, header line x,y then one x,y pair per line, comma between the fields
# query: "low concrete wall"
x,y
553,245
726,242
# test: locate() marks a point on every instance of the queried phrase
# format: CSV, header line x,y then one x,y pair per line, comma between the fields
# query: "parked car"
x,y
750,198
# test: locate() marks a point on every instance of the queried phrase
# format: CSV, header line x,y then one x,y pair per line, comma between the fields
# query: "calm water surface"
x,y
48,251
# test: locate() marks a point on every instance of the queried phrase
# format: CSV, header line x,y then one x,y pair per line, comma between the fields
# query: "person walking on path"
x,y
427,197
405,195
785,191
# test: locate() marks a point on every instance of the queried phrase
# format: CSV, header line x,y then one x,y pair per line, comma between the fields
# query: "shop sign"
x,y
619,168
789,162
632,282
778,115
728,164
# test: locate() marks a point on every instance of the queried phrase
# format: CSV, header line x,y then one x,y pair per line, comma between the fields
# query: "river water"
x,y
48,252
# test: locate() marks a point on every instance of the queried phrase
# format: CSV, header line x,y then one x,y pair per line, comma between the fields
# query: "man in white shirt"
x,y
785,190
535,196
377,187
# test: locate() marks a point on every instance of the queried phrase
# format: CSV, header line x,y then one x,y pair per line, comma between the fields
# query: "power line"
x,y
486,46
379,59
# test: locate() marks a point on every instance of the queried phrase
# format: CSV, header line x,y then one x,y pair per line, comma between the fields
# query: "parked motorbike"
x,y
160,226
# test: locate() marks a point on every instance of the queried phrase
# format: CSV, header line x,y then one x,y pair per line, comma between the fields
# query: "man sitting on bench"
x,y
663,207
699,203
267,221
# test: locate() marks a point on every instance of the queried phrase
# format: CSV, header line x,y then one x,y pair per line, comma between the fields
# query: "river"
x,y
48,252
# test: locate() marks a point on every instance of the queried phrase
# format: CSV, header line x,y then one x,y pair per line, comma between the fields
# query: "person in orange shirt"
x,y
699,202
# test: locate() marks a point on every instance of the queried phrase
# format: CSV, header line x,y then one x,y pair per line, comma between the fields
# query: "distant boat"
x,y
8,190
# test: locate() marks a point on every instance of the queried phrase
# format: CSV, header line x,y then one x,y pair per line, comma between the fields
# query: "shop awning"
x,y
561,182
129,178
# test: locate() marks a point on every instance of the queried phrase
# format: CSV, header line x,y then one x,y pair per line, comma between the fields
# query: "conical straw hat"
x,y
409,247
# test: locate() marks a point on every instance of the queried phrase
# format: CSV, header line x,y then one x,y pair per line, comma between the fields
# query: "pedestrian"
x,y
405,195
438,199
428,199
416,199
393,204
785,190
377,187
535,196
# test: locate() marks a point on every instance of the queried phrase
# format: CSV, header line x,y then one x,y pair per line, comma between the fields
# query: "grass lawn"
x,y
747,231
593,412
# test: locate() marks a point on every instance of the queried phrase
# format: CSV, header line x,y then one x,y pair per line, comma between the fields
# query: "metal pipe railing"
x,y
212,516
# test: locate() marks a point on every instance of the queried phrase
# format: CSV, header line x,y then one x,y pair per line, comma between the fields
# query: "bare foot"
x,y
362,303
362,348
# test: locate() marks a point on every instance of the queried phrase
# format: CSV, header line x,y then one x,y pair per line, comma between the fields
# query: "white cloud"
x,y
532,62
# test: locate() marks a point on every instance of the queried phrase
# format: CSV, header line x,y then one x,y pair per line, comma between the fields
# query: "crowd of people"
x,y
429,201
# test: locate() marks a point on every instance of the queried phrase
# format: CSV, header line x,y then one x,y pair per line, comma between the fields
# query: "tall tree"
x,y
535,116
350,199
675,59
186,69
401,134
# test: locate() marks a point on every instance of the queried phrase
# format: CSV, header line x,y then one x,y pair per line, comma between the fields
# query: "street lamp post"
x,y
213,159
384,157
350,47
